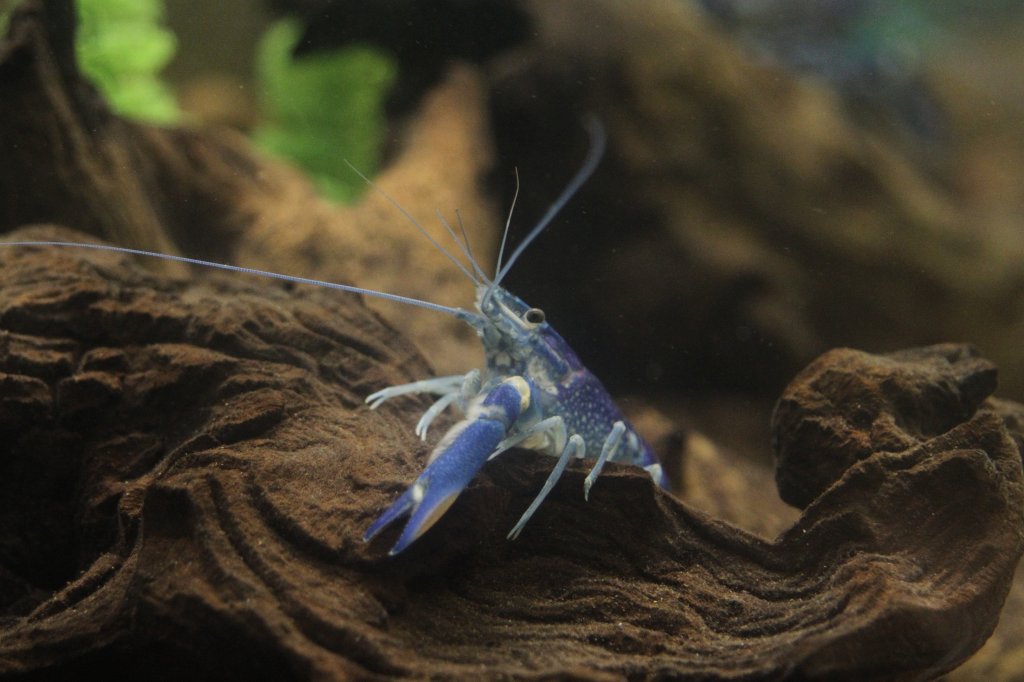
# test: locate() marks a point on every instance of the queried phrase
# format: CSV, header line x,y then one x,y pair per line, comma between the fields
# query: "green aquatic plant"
x,y
323,109
319,110
122,46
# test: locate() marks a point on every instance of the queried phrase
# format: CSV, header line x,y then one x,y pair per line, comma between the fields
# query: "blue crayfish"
x,y
534,392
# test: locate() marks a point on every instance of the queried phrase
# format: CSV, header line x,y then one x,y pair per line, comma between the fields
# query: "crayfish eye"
x,y
534,316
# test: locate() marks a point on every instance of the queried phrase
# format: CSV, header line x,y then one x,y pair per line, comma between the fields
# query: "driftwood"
x,y
188,468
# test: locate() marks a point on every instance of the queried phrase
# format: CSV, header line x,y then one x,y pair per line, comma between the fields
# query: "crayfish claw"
x,y
400,507
423,517
424,508
447,475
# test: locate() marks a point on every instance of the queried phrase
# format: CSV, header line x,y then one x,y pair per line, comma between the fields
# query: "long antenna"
x,y
469,249
456,312
598,141
508,221
419,227
463,245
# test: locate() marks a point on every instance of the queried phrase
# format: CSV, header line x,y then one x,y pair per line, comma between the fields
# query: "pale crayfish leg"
x,y
575,447
436,385
611,445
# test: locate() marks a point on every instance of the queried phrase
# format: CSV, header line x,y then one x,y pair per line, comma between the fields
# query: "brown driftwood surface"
x,y
187,466
188,470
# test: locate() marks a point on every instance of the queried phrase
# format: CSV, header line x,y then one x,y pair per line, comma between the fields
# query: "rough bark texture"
x,y
187,467
847,406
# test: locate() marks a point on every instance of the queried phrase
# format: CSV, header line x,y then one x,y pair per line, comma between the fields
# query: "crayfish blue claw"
x,y
424,507
462,453
424,515
400,507
455,461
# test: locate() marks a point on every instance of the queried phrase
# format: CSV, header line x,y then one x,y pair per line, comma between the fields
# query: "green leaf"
x,y
122,46
323,109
